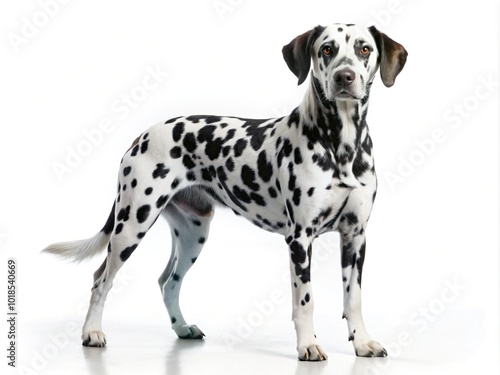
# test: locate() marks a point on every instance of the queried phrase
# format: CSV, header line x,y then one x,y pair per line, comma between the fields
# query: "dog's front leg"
x,y
353,256
303,304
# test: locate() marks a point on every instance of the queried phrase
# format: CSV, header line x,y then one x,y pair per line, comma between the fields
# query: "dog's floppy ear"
x,y
392,56
297,53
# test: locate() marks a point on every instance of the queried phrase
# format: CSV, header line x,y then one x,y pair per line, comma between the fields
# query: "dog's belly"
x,y
270,213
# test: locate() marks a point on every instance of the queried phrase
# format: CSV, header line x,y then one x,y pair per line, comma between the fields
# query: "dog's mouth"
x,y
345,94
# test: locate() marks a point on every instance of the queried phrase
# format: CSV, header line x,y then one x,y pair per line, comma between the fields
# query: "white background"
x,y
430,290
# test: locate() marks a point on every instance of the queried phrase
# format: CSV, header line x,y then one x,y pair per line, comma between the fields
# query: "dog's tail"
x,y
80,250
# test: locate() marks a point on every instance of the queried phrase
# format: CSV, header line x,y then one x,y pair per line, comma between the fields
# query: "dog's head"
x,y
345,59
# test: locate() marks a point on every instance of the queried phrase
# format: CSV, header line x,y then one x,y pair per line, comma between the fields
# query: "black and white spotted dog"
x,y
300,175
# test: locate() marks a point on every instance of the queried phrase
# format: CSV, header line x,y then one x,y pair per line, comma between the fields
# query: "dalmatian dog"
x,y
300,175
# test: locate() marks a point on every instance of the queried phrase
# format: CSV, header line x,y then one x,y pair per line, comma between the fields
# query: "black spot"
x,y
193,260
188,162
135,150
144,146
176,277
360,261
208,119
126,171
161,201
296,196
298,231
256,131
221,174
258,199
124,187
351,218
189,142
213,148
191,176
272,192
297,156
359,166
196,222
248,178
239,147
143,213
160,171
110,223
141,235
226,150
176,152
207,174
176,232
309,231
148,191
299,256
173,320
293,178
134,183
175,183
348,256
307,298
172,120
177,131
310,192
124,214
230,164
119,228
265,168
125,254
241,194
206,133
287,147
201,240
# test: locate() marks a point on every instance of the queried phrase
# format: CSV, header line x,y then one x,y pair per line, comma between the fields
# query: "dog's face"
x,y
345,59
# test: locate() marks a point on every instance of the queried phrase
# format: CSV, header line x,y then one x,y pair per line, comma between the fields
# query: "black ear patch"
x,y
392,56
297,53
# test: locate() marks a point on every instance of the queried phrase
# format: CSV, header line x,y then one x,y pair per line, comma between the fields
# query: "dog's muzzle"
x,y
344,85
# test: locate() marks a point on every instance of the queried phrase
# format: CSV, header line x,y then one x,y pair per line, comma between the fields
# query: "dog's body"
x,y
301,175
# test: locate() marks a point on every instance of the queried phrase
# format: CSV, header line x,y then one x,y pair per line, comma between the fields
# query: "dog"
x,y
299,175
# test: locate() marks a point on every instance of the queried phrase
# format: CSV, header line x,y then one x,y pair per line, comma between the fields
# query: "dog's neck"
x,y
332,119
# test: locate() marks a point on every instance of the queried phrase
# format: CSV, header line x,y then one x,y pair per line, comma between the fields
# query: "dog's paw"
x,y
189,332
94,339
370,349
312,353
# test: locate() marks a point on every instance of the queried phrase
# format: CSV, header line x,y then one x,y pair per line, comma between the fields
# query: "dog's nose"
x,y
344,77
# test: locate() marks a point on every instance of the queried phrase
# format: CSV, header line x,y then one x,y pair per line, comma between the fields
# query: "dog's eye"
x,y
365,51
327,51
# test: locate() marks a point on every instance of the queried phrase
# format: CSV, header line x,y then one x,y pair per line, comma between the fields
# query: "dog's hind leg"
x,y
139,203
189,221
